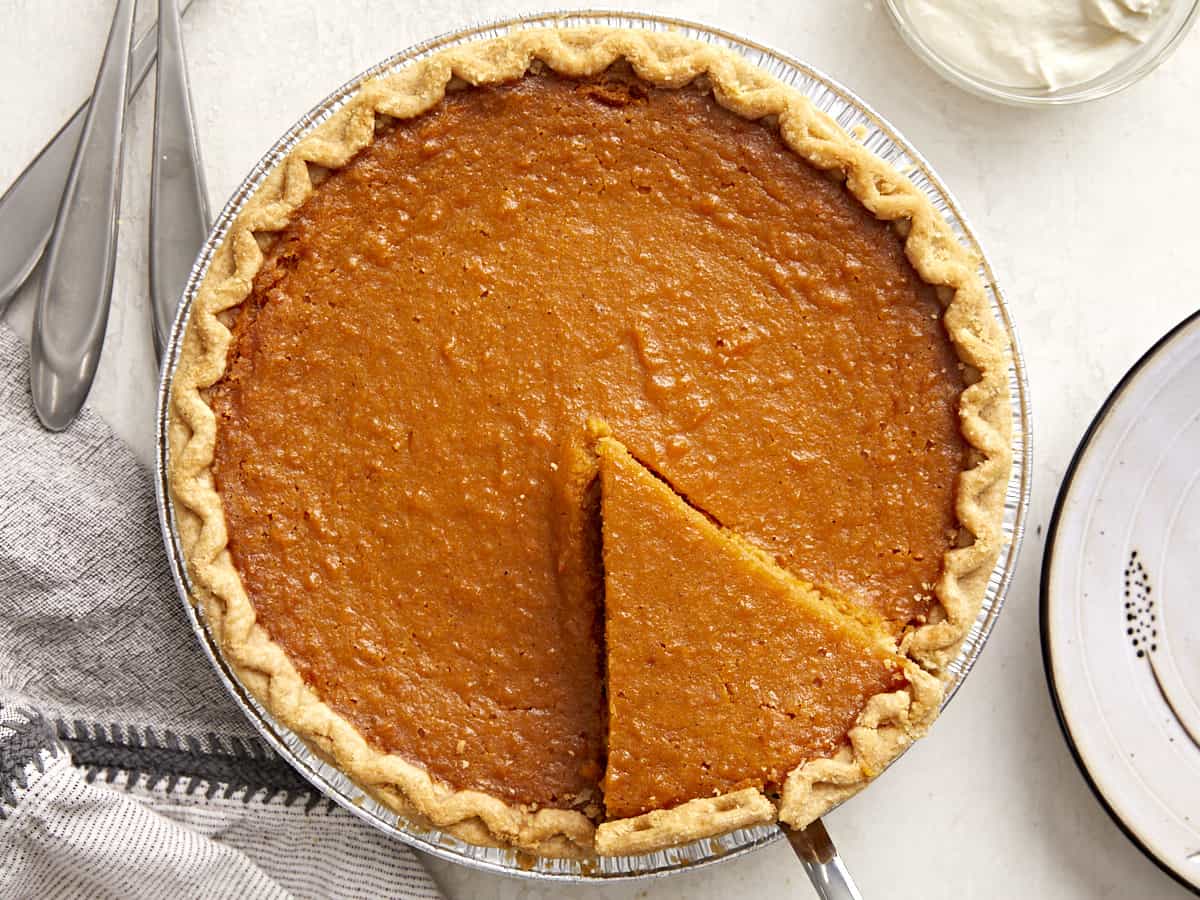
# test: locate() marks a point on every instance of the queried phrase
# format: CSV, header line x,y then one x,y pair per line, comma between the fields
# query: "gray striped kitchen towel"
x,y
125,769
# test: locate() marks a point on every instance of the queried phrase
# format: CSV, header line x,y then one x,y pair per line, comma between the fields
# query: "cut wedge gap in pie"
x,y
725,673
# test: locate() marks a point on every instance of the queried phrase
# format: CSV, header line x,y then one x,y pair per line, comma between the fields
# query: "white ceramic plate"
x,y
1121,604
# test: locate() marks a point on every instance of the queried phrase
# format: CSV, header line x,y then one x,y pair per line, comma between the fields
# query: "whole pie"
x,y
588,446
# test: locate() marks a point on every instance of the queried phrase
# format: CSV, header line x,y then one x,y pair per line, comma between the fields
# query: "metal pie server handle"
x,y
178,198
28,207
72,305
829,876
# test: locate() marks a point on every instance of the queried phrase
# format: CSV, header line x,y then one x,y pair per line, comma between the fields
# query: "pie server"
x,y
829,876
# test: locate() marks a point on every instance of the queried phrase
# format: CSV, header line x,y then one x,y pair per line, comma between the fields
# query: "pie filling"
x,y
410,496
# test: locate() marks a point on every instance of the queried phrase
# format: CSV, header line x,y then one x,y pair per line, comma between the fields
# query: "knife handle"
x,y
178,197
826,872
28,207
73,302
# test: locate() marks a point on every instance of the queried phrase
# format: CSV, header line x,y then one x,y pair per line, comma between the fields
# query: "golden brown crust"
x,y
890,721
700,818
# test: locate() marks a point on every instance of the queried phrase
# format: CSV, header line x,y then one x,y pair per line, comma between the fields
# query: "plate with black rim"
x,y
1120,608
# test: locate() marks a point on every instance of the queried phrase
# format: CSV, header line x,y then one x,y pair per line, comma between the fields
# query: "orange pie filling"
x,y
724,672
410,497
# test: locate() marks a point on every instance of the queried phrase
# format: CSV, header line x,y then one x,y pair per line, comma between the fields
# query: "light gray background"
x,y
1088,215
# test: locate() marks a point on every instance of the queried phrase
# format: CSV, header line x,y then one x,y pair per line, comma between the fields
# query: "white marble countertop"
x,y
1087,214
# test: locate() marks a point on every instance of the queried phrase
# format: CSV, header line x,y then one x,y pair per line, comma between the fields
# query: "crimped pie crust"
x,y
890,721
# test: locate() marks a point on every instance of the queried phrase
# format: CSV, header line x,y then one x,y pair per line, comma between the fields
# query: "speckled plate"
x,y
853,115
1121,604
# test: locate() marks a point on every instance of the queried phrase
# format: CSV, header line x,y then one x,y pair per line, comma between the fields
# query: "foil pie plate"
x,y
853,115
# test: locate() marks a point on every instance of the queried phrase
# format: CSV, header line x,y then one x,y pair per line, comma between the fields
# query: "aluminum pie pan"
x,y
852,114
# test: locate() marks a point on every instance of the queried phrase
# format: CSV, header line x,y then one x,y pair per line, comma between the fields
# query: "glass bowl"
x,y
1149,56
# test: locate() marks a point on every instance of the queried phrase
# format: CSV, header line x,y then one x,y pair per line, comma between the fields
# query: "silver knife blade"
x,y
28,207
75,292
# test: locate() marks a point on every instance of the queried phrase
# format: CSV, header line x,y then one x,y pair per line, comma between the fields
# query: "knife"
x,y
178,199
74,296
28,207
828,874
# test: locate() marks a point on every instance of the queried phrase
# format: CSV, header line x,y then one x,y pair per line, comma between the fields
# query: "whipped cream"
x,y
1035,43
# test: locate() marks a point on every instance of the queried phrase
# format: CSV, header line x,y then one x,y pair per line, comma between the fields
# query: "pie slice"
x,y
728,678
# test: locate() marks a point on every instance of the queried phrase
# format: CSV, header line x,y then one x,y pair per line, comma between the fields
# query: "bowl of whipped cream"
x,y
1043,52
